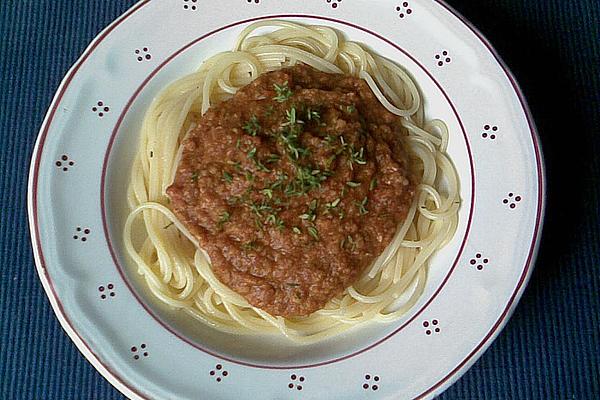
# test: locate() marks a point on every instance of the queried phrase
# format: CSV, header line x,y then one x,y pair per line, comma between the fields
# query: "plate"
x,y
77,205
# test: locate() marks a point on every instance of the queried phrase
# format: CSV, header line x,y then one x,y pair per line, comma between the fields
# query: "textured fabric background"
x,y
550,348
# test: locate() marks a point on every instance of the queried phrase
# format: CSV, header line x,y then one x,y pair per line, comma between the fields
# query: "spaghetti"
x,y
178,271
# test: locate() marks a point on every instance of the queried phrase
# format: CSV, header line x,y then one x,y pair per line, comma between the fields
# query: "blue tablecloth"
x,y
550,348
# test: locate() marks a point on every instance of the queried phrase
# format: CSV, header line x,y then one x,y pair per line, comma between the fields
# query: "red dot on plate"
x,y
136,357
101,288
437,330
518,198
293,377
134,349
65,158
493,137
334,5
100,103
143,346
428,332
365,386
505,201
440,63
299,387
112,294
435,322
485,260
218,379
398,8
291,385
513,205
409,11
367,377
405,4
145,49
480,267
375,387
145,354
376,379
486,127
301,379
495,128
225,373
212,372
473,262
219,366
426,324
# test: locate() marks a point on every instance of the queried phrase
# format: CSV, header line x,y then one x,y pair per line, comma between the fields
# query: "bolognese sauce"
x,y
293,187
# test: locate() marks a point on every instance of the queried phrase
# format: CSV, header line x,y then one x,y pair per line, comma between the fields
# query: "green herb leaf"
x,y
283,92
296,230
312,115
252,127
223,218
267,192
353,184
195,176
312,231
373,184
227,177
362,206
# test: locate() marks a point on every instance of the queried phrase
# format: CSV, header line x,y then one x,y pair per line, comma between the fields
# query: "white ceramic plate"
x,y
77,204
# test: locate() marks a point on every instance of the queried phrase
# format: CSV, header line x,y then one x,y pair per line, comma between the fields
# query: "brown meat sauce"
x,y
293,187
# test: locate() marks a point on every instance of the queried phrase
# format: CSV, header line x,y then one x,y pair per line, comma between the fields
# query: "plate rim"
x,y
134,393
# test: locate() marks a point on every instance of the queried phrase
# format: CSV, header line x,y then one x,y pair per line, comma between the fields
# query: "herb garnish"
x,y
252,127
223,218
227,177
373,184
362,206
283,92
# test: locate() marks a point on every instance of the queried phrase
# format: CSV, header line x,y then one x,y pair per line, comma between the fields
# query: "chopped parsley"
x,y
252,127
227,177
362,206
312,231
283,92
353,184
223,218
373,184
195,176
